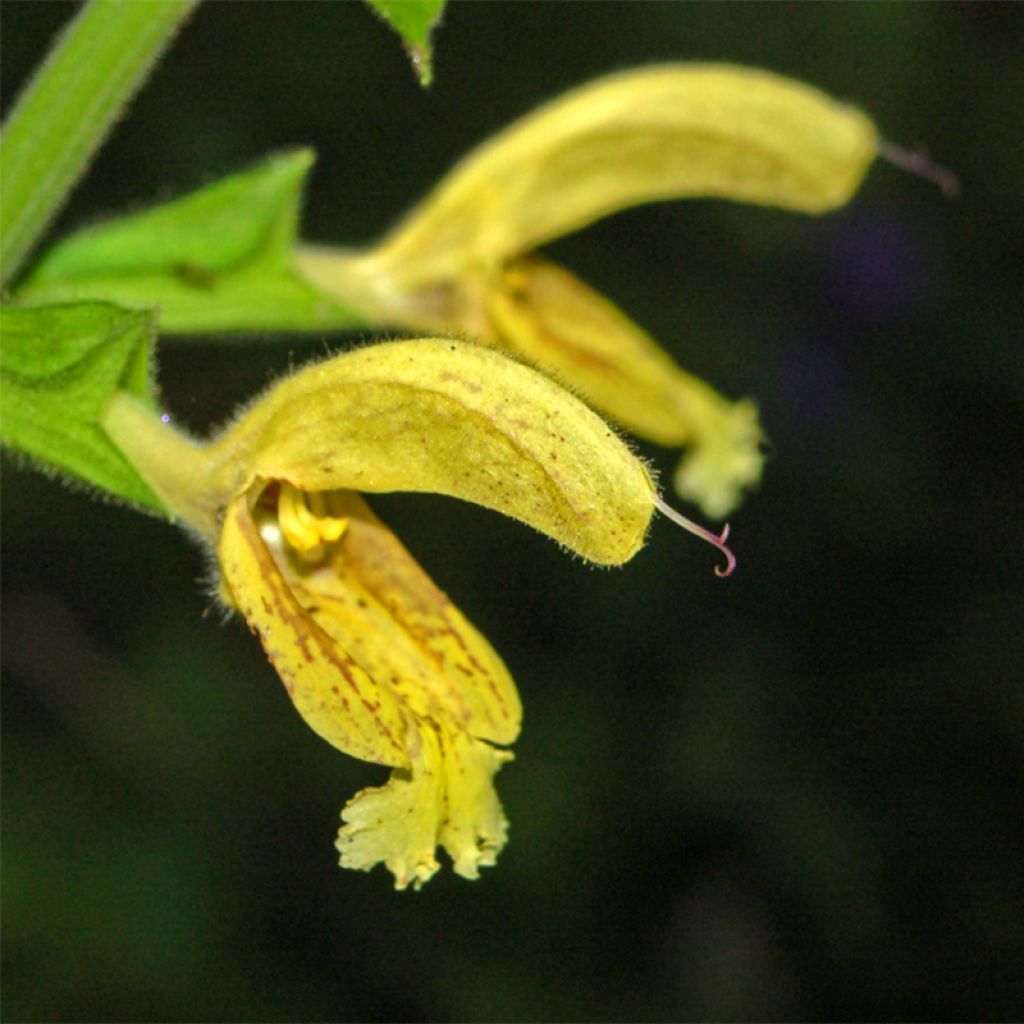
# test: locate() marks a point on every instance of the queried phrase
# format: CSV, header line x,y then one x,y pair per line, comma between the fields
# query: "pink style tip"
x,y
717,540
917,161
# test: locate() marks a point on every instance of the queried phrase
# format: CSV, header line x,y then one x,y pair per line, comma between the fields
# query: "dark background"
x,y
792,794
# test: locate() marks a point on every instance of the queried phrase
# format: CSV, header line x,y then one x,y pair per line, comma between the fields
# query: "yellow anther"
x,y
304,522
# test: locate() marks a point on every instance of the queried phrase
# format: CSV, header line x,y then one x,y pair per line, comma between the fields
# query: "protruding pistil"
x,y
718,540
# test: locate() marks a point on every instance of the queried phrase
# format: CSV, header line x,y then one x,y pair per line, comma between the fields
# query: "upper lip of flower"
x,y
639,136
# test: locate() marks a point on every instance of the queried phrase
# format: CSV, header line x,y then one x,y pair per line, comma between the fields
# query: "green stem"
x,y
68,108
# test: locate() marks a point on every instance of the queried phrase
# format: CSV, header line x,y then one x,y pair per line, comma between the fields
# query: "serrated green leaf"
x,y
59,365
219,259
414,21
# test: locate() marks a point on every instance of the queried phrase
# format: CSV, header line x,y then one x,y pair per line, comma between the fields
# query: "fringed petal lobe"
x,y
447,796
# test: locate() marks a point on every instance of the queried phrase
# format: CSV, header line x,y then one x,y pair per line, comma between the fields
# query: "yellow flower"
x,y
373,655
461,262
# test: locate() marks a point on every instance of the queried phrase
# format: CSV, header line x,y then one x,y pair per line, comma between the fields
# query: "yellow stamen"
x,y
304,522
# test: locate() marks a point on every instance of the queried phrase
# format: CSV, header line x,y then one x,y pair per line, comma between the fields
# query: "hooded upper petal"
x,y
449,418
659,133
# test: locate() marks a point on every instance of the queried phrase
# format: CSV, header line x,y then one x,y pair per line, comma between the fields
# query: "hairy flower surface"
x,y
373,655
462,261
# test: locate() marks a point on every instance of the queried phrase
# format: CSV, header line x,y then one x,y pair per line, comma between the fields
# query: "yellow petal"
x,y
376,603
450,418
545,314
659,133
446,796
475,827
396,824
338,699
457,264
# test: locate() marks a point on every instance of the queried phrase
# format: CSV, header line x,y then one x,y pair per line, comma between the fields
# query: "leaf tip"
x,y
422,64
414,21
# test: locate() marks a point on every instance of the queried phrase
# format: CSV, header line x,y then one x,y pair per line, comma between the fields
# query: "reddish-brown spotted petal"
x,y
349,708
373,599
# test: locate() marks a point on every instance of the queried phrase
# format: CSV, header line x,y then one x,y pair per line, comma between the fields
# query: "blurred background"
x,y
794,794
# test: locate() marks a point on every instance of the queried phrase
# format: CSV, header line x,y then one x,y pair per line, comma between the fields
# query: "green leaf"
x,y
414,21
59,365
219,259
